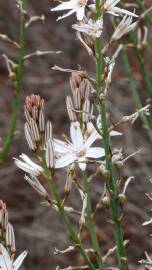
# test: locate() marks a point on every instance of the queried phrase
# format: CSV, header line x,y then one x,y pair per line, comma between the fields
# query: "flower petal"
x,y
95,152
19,260
80,13
76,135
82,164
92,138
116,11
65,5
60,147
27,160
5,261
115,133
65,160
66,15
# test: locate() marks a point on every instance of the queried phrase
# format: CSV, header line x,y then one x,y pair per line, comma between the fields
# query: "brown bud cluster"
x,y
34,106
35,125
79,106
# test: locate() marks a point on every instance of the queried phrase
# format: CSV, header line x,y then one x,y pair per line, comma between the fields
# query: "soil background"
x,y
39,229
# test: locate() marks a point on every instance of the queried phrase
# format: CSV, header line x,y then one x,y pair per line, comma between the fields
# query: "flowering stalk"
x,y
106,142
63,215
19,77
135,94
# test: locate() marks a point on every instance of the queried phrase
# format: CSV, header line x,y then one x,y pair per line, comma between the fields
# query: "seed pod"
x,y
105,203
121,199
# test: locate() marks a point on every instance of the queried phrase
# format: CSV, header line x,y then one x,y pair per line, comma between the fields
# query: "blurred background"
x,y
39,229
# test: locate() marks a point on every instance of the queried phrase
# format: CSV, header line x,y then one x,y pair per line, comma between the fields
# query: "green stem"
x,y
106,141
146,78
90,221
15,106
63,215
135,94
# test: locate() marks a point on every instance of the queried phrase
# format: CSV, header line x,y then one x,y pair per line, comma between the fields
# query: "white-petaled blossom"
x,y
110,7
78,150
75,6
7,263
28,166
124,27
92,28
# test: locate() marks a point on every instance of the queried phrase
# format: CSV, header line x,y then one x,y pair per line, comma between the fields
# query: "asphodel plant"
x,y
91,138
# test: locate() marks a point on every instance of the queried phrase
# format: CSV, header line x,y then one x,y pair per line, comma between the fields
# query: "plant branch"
x,y
90,222
106,141
18,86
63,215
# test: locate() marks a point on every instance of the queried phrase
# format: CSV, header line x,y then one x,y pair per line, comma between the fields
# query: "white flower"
x,y
77,6
28,166
77,150
124,27
110,7
7,263
92,28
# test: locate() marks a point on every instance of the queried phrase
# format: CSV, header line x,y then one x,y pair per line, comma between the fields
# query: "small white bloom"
x,y
110,7
7,263
75,6
77,150
92,28
124,27
28,166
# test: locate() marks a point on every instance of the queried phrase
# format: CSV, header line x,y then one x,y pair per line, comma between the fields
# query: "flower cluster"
x,y
83,131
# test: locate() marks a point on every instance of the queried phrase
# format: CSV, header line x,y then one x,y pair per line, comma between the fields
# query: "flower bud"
x,y
103,170
105,203
121,199
13,76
